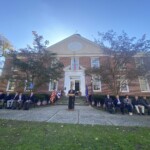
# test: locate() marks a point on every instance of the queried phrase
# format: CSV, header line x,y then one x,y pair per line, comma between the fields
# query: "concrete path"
x,y
81,115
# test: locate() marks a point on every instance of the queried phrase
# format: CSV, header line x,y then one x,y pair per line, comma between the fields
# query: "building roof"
x,y
76,45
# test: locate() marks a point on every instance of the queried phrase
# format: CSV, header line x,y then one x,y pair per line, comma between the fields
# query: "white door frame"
x,y
77,75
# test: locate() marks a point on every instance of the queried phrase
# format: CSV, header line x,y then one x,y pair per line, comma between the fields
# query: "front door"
x,y
77,85
74,80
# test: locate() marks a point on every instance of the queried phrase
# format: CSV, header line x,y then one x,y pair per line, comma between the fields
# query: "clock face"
x,y
74,46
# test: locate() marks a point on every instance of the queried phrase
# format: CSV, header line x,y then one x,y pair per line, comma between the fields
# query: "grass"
x,y
21,135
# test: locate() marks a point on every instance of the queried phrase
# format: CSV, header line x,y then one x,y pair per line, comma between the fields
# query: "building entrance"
x,y
76,81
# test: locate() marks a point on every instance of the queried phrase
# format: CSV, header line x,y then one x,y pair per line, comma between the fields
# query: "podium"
x,y
71,94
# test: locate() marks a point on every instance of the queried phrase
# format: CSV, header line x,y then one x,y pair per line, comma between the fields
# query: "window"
x,y
124,85
2,60
14,68
11,85
122,66
139,61
0,71
95,63
54,62
144,84
75,63
96,83
53,85
28,86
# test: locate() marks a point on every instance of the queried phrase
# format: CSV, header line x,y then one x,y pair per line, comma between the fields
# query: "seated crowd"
x,y
137,104
16,101
23,101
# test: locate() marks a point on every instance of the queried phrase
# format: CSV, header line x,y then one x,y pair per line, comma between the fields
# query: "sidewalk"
x,y
81,115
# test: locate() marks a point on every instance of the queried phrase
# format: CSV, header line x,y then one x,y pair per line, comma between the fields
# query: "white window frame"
x,y
27,88
139,61
8,84
125,84
1,70
122,67
2,61
51,85
95,64
75,63
147,84
15,69
96,81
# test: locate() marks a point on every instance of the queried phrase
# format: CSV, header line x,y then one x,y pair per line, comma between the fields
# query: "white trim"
x,y
127,87
82,55
8,84
81,77
147,85
93,58
1,70
99,84
50,84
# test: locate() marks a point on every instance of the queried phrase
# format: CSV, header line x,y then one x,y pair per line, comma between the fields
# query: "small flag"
x,y
86,92
31,85
74,64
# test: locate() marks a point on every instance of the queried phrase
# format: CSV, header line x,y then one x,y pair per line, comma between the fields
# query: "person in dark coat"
x,y
2,96
128,104
138,104
20,101
71,94
7,98
119,104
29,100
146,104
109,103
12,103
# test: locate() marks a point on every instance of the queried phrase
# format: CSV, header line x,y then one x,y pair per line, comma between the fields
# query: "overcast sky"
x,y
58,19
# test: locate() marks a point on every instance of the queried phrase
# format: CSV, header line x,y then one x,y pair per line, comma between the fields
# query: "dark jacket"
x,y
2,96
15,97
23,98
137,102
116,102
7,97
145,102
31,98
108,101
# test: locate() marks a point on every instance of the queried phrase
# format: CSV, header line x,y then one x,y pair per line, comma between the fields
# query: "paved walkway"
x,y
81,115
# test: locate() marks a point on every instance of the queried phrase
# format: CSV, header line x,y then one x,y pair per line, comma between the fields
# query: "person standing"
x,y
71,94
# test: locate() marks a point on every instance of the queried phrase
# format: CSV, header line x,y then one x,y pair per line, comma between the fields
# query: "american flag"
x,y
74,63
86,92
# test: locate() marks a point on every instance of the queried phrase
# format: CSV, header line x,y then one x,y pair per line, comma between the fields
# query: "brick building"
x,y
77,54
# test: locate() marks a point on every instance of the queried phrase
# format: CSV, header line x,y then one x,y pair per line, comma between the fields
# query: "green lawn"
x,y
20,135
